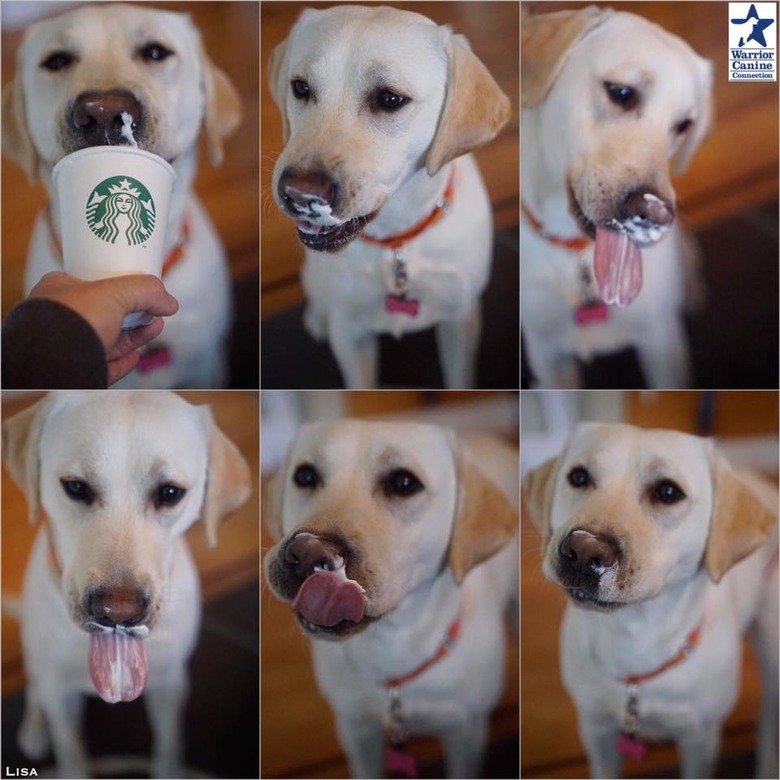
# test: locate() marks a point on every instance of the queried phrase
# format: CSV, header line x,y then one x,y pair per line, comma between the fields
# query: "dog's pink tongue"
x,y
117,666
325,600
617,264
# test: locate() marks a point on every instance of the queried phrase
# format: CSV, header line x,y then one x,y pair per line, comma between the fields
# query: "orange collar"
x,y
453,632
177,251
688,646
577,244
441,207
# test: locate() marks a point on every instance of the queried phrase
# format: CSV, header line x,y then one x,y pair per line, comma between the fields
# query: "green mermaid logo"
x,y
121,207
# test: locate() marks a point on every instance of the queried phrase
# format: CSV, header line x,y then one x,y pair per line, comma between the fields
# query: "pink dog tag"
x,y
591,313
399,762
397,304
631,747
152,359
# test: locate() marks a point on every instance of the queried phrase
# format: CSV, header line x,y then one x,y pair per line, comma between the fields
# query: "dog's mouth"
x,y
330,604
331,238
586,600
117,660
617,254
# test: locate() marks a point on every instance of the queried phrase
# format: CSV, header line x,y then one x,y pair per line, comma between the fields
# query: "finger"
x,y
131,340
122,366
143,292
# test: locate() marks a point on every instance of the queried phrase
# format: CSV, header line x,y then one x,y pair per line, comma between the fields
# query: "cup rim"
x,y
91,151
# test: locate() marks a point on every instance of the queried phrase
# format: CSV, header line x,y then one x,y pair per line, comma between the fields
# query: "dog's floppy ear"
x,y
545,41
271,503
704,106
475,108
223,109
537,494
485,517
229,483
277,82
21,434
17,143
741,518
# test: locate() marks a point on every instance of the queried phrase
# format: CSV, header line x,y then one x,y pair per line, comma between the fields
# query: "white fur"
x,y
575,139
123,445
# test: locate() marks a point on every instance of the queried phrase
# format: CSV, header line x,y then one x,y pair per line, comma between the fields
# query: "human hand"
x,y
104,305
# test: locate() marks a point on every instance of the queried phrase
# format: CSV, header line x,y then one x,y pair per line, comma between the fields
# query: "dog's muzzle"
x,y
100,118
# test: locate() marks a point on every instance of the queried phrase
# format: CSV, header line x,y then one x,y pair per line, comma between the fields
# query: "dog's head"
x,y
370,96
118,477
626,513
368,513
618,98
615,99
114,74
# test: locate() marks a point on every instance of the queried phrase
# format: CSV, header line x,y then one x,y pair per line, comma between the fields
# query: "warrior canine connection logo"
x,y
121,210
752,41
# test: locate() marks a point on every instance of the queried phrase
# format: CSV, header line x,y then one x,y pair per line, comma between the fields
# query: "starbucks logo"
x,y
121,210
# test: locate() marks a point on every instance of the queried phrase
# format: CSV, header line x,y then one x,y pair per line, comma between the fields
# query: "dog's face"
x,y
114,74
627,513
120,476
623,99
369,96
368,512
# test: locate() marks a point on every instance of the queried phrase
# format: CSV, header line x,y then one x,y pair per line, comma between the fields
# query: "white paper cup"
x,y
113,212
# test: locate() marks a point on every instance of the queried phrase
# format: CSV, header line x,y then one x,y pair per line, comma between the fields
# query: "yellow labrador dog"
x,y
398,554
380,107
111,599
668,556
609,99
78,76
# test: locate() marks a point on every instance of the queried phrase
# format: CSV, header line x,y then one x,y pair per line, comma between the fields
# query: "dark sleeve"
x,y
48,346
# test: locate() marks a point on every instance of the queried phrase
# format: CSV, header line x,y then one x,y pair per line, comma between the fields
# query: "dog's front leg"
x,y
457,341
600,738
464,747
698,749
363,739
64,710
355,352
164,707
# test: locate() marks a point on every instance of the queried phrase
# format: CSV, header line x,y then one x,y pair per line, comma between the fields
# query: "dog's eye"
x,y
666,492
154,52
401,483
682,127
622,95
168,495
58,60
78,490
301,89
306,476
385,100
579,477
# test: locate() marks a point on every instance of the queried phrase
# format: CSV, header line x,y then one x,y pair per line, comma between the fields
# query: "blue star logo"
x,y
759,25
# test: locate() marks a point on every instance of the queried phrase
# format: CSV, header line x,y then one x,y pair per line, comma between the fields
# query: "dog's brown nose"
x,y
109,117
118,607
306,552
306,194
650,208
583,551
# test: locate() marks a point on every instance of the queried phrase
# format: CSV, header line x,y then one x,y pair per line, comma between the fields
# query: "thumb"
x,y
142,292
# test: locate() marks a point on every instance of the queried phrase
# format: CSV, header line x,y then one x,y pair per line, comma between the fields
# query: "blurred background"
x,y
745,426
229,193
728,197
290,357
221,719
298,738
